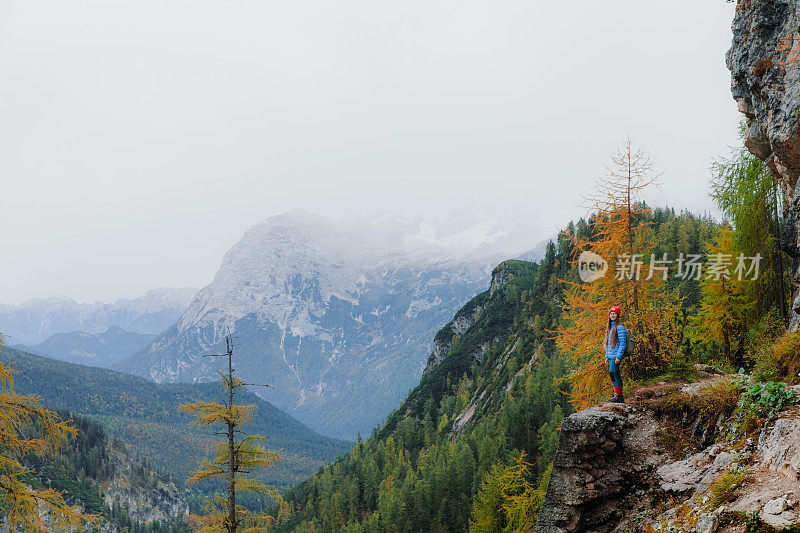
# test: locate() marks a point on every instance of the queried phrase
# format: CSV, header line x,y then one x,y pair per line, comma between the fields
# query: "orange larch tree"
x,y
620,234
724,309
26,428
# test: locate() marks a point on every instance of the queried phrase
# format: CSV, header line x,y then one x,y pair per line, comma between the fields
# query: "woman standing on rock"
x,y
615,342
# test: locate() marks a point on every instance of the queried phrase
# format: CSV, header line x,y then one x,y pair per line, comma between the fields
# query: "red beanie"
x,y
615,309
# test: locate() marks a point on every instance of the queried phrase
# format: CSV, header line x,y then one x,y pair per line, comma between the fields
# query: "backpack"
x,y
629,344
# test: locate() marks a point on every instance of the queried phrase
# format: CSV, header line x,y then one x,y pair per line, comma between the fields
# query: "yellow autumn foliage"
x,y
618,232
27,428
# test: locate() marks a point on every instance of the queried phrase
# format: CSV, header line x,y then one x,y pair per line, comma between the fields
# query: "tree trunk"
x,y
231,453
726,340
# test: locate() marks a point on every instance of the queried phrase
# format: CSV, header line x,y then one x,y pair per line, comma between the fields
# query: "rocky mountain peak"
x,y
326,311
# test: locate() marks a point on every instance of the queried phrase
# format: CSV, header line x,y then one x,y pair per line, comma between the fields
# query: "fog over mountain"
x,y
337,317
33,321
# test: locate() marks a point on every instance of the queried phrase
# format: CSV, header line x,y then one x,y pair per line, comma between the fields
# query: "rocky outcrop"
x,y
146,495
764,60
765,82
696,472
779,447
604,457
443,340
626,467
162,500
501,275
467,315
463,418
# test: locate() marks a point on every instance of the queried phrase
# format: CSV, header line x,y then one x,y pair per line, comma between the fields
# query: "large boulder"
x,y
779,446
604,456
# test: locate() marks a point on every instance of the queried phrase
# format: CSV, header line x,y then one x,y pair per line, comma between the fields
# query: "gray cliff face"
x,y
444,338
146,496
765,82
764,61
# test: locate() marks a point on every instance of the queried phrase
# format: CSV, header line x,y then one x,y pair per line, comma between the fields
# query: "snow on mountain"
x,y
336,316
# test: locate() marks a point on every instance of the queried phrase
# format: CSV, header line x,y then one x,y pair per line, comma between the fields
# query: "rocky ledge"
x,y
649,466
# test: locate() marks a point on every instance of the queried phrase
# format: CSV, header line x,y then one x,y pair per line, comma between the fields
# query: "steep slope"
x,y
93,349
35,320
335,316
493,388
487,393
145,415
104,477
764,60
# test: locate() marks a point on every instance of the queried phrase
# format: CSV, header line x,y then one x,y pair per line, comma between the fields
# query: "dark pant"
x,y
614,371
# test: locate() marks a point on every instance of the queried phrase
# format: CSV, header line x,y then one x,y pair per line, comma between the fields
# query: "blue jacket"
x,y
617,351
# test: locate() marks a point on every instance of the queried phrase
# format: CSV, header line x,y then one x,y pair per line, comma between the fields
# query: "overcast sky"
x,y
140,139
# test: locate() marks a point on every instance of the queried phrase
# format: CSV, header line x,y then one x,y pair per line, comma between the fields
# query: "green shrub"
x,y
766,400
765,344
759,403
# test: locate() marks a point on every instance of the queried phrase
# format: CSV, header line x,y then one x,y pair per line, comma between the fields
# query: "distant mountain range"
x,y
337,317
93,349
36,320
145,415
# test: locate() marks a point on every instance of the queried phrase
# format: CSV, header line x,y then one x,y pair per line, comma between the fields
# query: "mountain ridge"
x,y
33,321
336,316
93,349
487,392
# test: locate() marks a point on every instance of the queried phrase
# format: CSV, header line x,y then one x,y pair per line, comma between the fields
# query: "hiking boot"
x,y
617,398
612,399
